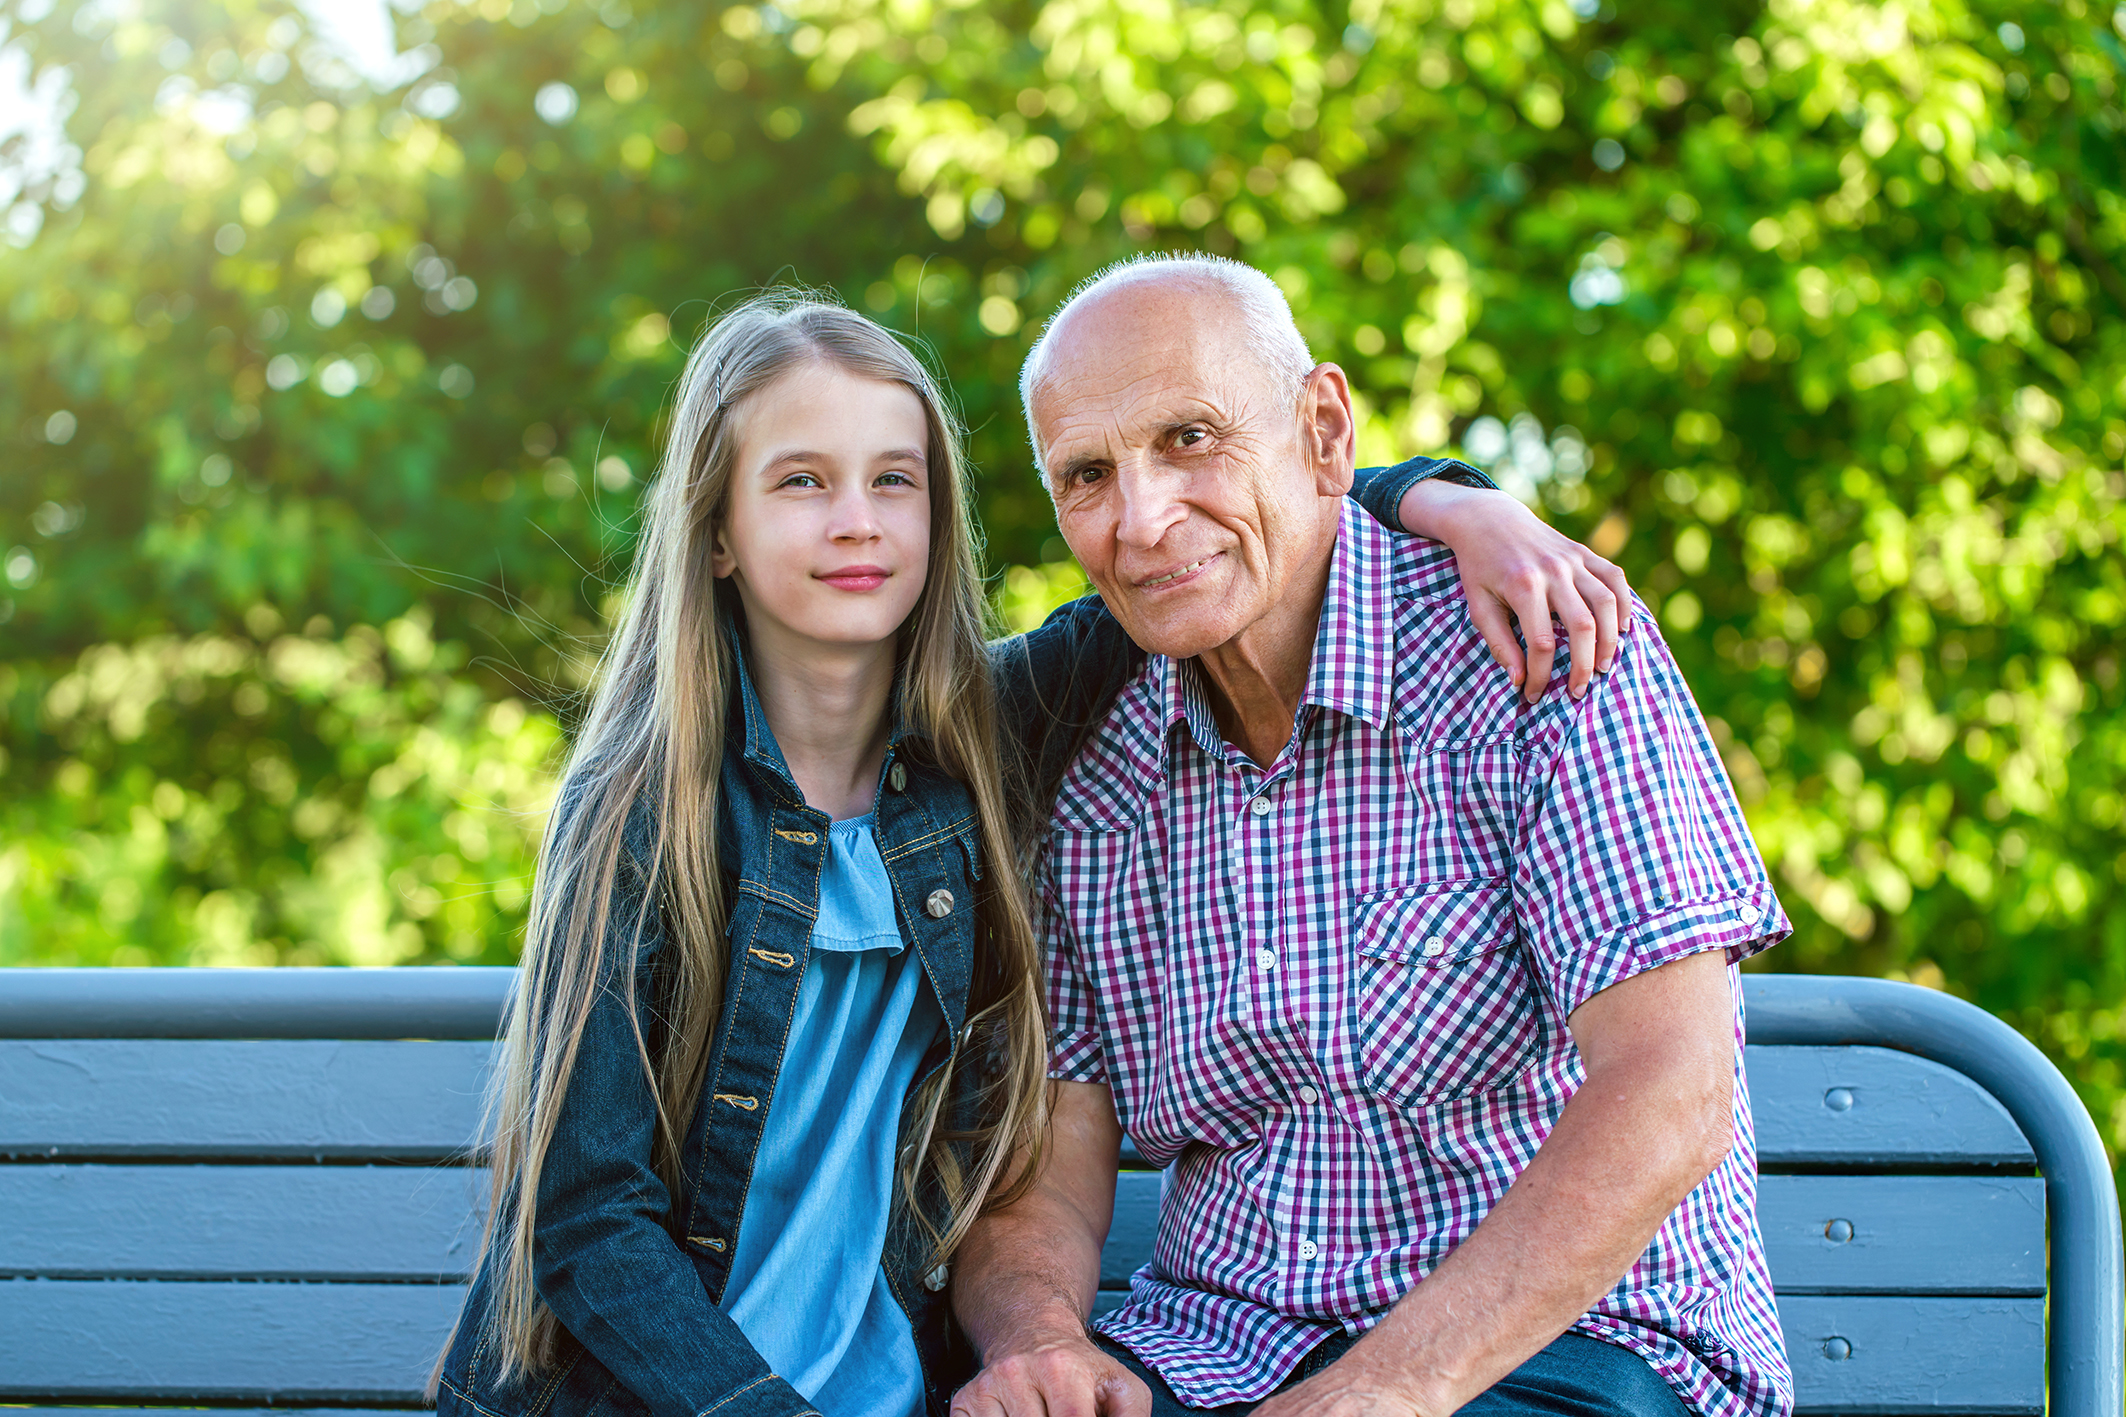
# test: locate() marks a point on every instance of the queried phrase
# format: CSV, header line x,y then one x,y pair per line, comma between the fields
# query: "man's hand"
x,y
1352,1386
1516,567
1067,1376
1025,1278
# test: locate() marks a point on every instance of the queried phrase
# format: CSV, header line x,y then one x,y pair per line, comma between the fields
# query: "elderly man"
x,y
1424,995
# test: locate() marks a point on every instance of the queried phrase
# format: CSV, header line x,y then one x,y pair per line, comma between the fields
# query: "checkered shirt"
x,y
1330,996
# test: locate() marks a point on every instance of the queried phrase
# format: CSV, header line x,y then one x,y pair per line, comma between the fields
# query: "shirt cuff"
x,y
1741,922
1392,485
1076,1055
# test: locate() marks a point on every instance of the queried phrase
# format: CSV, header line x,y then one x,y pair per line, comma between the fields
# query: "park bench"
x,y
234,1189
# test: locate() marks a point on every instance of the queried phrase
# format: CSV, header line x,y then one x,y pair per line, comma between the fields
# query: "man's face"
x,y
1192,484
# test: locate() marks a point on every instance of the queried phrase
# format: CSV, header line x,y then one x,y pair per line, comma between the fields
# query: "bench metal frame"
x,y
2086,1369
2086,1345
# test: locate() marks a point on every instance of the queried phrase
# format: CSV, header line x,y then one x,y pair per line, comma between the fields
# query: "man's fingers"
x,y
1125,1395
1496,626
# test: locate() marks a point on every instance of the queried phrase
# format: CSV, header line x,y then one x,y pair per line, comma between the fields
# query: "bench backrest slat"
x,y
240,1099
1904,1234
1875,1108
222,1342
405,1224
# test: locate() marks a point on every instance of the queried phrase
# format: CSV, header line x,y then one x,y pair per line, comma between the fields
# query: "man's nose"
x,y
1150,503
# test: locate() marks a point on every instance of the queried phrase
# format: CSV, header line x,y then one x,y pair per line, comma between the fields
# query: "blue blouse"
x,y
806,1287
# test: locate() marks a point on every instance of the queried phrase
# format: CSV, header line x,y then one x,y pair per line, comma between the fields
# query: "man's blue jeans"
x,y
1575,1376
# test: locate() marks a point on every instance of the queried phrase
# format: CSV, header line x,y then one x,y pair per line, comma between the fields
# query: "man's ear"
x,y
1328,429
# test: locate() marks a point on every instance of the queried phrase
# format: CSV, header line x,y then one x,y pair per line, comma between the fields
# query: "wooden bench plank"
x,y
374,1223
1134,1228
1887,1356
1960,1357
103,1411
1904,1234
1874,1108
132,1341
239,1100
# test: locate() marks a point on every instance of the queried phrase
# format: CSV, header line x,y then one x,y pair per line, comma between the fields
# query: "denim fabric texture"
x,y
806,1286
633,1273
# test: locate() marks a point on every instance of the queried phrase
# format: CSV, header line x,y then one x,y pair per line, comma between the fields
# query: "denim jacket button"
x,y
939,905
897,778
936,1279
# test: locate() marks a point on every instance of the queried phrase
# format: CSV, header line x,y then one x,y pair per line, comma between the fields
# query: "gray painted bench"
x,y
233,1189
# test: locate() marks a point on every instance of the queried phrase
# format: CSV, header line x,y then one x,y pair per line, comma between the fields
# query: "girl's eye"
x,y
799,479
894,479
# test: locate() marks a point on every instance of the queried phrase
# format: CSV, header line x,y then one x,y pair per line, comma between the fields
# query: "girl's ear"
x,y
722,560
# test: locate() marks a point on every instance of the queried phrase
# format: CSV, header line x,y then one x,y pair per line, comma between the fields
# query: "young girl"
x,y
778,1026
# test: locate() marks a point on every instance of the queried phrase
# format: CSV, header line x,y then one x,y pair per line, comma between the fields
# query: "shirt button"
x,y
938,905
1260,806
1309,1095
1748,914
1265,958
1308,1249
1435,946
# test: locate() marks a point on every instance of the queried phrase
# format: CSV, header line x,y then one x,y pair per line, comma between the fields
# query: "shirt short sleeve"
x,y
1076,1051
1635,850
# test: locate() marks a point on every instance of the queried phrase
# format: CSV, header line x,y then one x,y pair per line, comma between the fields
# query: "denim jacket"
x,y
633,1277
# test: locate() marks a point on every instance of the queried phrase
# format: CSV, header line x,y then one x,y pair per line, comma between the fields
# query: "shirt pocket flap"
x,y
1433,926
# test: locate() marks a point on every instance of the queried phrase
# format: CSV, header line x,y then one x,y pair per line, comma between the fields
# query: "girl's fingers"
x,y
1609,613
1489,615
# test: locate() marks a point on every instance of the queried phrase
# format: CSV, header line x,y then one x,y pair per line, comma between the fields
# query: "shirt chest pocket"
x,y
1444,1005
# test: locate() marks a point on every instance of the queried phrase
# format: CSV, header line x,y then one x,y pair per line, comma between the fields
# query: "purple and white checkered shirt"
x,y
1331,995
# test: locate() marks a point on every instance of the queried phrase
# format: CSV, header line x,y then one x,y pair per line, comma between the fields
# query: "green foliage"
x,y
1809,312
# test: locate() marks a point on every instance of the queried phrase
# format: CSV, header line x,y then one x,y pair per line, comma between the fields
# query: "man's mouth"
x,y
1182,573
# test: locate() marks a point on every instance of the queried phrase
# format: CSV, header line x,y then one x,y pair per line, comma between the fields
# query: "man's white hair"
x,y
1272,335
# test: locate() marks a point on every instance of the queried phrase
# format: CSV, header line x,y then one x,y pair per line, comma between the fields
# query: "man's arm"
x,y
1654,1118
1025,1277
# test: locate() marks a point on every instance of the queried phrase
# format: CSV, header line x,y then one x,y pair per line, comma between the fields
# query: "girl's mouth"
x,y
857,578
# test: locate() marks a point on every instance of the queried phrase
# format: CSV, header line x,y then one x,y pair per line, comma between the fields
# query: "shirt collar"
x,y
1352,669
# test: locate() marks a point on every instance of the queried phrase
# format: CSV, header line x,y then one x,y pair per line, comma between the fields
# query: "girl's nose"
x,y
853,517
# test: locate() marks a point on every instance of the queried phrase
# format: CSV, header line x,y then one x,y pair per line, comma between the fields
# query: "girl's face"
x,y
827,535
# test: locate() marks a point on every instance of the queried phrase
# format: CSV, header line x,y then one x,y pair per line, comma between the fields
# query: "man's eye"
x,y
1086,476
1190,437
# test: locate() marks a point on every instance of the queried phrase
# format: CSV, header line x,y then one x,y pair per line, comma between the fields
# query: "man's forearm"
x,y
1653,1119
1581,1215
1026,1275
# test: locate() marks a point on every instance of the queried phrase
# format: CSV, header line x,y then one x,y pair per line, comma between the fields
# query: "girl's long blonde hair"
x,y
659,713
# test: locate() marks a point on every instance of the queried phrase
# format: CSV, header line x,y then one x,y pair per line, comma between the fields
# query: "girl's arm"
x,y
603,1257
1513,568
1055,684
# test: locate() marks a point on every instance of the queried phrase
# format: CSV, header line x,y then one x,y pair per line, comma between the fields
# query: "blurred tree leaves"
x,y
1809,312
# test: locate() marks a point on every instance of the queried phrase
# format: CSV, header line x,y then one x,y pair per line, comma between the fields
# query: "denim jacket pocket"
x,y
1443,1005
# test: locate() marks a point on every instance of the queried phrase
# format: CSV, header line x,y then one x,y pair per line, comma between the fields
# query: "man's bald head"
x,y
1246,303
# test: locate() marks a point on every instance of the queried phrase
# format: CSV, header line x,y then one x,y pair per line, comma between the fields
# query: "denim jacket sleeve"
x,y
604,1258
